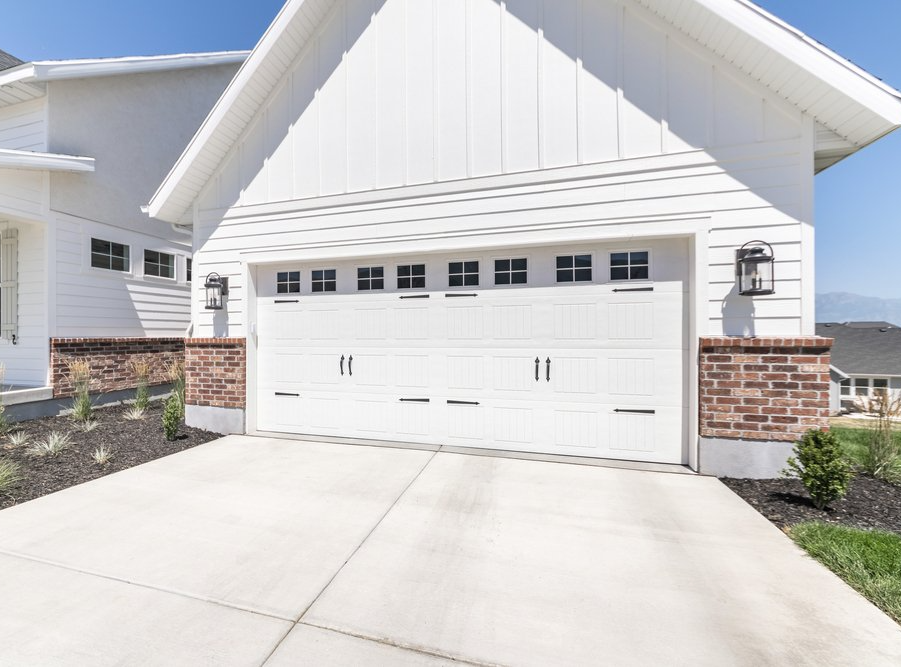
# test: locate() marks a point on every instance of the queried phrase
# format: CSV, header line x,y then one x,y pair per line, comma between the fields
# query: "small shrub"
x,y
141,369
171,417
18,438
821,466
9,475
134,413
52,445
102,455
176,374
80,376
88,426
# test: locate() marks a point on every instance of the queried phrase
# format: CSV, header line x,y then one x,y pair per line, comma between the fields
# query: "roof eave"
x,y
33,161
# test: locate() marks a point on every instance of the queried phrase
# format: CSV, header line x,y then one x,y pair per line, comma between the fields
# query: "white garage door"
x,y
574,352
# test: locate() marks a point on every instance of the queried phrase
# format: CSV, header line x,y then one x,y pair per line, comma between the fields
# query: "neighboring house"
x,y
515,226
866,360
83,144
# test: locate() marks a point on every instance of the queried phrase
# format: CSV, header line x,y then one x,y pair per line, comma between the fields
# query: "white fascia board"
x,y
161,206
839,372
812,56
13,159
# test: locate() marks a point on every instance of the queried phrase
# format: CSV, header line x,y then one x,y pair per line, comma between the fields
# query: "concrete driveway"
x,y
251,551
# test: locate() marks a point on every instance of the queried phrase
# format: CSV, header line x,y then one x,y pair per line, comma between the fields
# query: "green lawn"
x,y
868,560
854,442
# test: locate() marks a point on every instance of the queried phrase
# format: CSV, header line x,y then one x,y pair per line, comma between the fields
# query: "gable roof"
x,y
26,81
854,106
7,60
864,348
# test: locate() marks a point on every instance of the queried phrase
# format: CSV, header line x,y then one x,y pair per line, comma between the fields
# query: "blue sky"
x,y
858,201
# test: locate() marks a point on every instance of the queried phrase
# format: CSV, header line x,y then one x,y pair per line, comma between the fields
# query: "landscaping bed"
x,y
130,443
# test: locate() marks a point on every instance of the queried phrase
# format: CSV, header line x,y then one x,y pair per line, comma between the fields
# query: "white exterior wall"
x,y
416,127
24,126
26,362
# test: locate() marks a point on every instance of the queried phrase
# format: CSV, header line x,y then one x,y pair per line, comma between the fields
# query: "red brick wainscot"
x,y
109,360
216,372
763,388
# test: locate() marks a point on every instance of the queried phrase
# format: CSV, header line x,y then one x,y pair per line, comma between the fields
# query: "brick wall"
x,y
109,359
763,388
216,372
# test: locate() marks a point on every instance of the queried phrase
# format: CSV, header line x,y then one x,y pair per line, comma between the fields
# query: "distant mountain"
x,y
844,307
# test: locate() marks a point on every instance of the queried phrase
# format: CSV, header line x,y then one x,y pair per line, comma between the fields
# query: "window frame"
x,y
424,276
575,253
324,281
464,273
129,271
370,267
189,270
288,282
160,253
629,265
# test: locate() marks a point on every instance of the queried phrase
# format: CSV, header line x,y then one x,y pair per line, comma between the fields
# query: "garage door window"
x,y
410,276
288,282
511,271
573,268
629,265
370,278
324,280
462,274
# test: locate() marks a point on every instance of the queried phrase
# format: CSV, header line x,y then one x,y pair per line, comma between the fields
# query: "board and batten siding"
x,y
26,362
421,126
23,126
100,303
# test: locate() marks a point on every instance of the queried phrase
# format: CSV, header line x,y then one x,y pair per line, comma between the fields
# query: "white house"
x,y
514,225
83,143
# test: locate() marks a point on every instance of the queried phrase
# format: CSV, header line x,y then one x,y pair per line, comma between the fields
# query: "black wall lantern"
x,y
216,288
754,269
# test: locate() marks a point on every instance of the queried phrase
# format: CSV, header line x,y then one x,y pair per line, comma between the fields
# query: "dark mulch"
x,y
869,503
132,443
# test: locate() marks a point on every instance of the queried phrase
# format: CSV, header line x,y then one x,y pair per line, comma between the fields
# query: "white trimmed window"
x,y
9,305
287,282
511,271
573,268
845,387
159,264
463,274
189,267
410,276
370,278
629,265
110,256
325,280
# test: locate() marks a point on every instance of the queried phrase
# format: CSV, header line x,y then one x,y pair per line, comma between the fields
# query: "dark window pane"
x,y
583,261
471,267
639,257
455,280
294,288
501,278
419,281
419,269
362,284
362,273
519,278
519,264
294,276
403,270
378,283
639,273
317,275
564,275
619,273
282,277
282,288
118,264
331,286
331,274
403,283
619,259
100,246
565,262
455,267
317,287
880,383
471,279
378,272
502,265
583,275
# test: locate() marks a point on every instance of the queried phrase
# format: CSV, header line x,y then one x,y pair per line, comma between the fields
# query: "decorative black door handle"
x,y
548,369
350,365
537,364
342,364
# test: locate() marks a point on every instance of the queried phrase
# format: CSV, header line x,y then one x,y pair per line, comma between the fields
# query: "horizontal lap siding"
x,y
93,302
24,126
759,196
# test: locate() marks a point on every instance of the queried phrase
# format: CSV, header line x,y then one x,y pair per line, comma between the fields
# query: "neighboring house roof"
x,y
26,81
854,107
14,159
864,348
8,60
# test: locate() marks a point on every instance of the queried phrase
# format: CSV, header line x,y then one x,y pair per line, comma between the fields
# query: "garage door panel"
x,y
511,323
465,323
411,371
466,422
372,324
411,323
466,372
414,420
513,373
